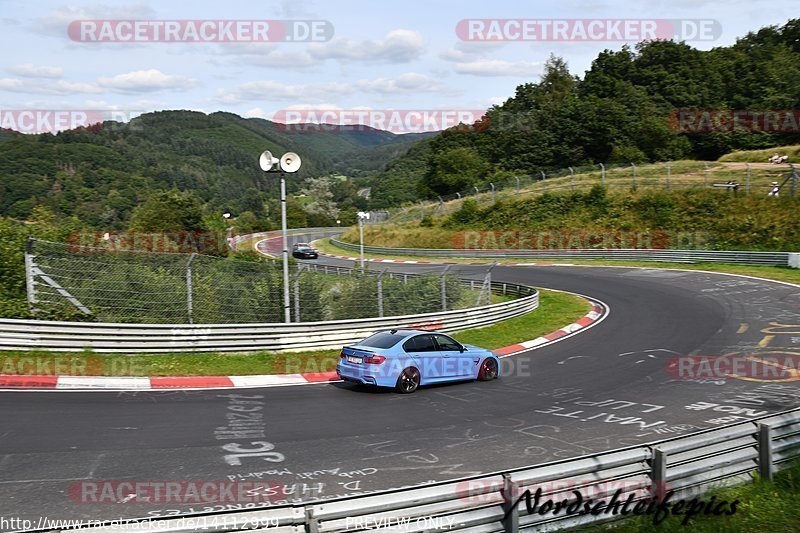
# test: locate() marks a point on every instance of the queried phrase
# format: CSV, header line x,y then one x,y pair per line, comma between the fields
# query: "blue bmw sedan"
x,y
407,358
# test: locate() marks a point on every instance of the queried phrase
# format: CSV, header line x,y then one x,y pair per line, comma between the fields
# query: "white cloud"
x,y
465,51
410,82
497,67
56,22
40,86
265,55
29,70
273,90
270,90
397,46
151,80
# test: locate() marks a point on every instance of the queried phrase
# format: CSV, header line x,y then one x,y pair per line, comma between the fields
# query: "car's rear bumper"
x,y
364,374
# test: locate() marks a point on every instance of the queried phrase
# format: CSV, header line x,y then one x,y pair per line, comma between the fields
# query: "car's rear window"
x,y
384,339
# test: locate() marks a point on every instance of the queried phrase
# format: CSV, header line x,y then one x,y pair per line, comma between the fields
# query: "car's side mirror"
x,y
461,348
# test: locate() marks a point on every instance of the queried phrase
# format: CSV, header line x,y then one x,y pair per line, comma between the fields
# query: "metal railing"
x,y
672,256
153,338
688,465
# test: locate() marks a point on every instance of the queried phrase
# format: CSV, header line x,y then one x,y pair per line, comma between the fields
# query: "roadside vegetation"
x,y
764,506
556,310
692,218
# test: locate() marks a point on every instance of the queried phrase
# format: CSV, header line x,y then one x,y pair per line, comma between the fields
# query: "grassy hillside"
x,y
762,156
701,218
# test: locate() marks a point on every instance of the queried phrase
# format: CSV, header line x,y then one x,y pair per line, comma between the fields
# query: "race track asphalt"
x,y
605,388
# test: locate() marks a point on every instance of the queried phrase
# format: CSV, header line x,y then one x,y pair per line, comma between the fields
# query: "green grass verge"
x,y
556,310
762,156
792,275
763,506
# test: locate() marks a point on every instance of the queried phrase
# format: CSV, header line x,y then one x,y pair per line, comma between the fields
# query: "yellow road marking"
x,y
782,329
763,343
742,328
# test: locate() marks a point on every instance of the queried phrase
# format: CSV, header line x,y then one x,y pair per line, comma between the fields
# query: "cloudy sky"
x,y
383,54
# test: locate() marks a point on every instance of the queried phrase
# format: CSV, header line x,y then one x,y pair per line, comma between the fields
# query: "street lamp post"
x,y
362,216
289,162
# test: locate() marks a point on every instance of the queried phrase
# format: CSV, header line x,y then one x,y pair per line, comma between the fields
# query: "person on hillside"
x,y
774,159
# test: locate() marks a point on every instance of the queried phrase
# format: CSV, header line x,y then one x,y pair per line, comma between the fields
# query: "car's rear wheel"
x,y
408,381
488,369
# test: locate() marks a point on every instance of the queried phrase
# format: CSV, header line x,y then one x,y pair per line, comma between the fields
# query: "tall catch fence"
x,y
734,178
96,284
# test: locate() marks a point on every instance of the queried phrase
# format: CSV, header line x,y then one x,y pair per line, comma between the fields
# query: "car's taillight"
x,y
374,359
342,355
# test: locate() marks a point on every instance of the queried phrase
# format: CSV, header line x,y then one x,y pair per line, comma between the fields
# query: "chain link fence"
x,y
736,178
93,283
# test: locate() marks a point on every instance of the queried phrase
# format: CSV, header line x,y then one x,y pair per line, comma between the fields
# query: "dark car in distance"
x,y
305,252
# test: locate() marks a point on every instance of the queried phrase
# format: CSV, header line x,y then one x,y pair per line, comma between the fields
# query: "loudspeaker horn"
x,y
266,161
290,162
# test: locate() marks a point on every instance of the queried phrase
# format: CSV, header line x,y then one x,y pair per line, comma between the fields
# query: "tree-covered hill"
x,y
623,110
100,173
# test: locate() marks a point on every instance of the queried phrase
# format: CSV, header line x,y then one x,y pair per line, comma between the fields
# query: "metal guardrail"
x,y
688,465
235,240
672,256
153,338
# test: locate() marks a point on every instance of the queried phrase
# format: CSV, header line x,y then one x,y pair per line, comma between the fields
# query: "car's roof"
x,y
407,332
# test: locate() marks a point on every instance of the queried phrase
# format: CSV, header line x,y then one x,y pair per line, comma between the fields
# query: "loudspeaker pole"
x,y
289,162
287,314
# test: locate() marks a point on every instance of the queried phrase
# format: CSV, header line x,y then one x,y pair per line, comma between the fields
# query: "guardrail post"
x,y
517,178
189,302
669,171
544,176
765,467
602,175
380,293
30,282
297,294
492,186
510,494
311,522
658,473
747,179
444,287
571,179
